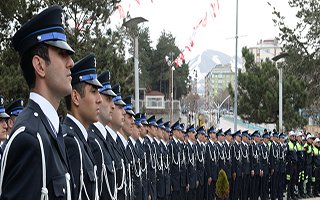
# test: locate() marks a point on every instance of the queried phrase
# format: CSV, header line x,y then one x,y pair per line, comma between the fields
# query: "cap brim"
x,y
144,123
130,112
61,45
94,82
109,93
120,103
4,115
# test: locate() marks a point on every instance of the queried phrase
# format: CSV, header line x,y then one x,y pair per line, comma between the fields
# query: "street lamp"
x,y
275,59
170,63
235,109
133,24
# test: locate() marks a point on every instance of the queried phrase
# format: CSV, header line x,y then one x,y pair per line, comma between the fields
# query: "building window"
x,y
155,102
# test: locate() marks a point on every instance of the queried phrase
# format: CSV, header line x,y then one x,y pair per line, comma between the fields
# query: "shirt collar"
x,y
112,133
150,138
47,108
83,130
212,142
163,142
157,140
175,140
141,140
123,140
133,141
190,142
101,128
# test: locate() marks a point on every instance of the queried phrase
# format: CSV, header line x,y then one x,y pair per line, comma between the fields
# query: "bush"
x,y
222,185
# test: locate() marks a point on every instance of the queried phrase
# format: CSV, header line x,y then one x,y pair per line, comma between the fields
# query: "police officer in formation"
x,y
103,150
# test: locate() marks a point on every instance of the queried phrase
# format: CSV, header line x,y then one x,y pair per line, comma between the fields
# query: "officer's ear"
x,y
39,65
75,97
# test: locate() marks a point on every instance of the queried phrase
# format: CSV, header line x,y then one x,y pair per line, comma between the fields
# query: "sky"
x,y
179,17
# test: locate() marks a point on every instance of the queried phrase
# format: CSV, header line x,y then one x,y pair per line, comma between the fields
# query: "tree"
x,y
258,94
161,72
302,44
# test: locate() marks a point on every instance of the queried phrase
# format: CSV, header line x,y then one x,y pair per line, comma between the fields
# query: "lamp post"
x,y
275,59
235,109
170,64
133,25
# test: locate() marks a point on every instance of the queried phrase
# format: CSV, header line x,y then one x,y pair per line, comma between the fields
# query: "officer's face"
x,y
238,138
118,117
3,129
165,135
128,125
143,131
88,105
106,109
135,132
213,137
57,74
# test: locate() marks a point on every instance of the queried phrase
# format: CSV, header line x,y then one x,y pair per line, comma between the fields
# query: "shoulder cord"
x,y
136,171
277,152
145,162
197,154
282,153
214,154
160,165
235,153
44,190
173,160
104,176
221,155
245,156
264,156
228,153
191,160
82,185
153,163
255,154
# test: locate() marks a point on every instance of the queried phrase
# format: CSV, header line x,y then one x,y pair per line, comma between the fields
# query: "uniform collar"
x,y
83,130
141,140
123,140
190,142
175,140
47,108
150,138
112,133
133,141
102,129
163,142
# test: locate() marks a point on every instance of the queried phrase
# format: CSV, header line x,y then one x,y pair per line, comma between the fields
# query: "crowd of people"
x,y
102,149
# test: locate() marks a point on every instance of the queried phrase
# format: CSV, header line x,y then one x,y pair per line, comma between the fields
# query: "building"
x,y
266,49
217,81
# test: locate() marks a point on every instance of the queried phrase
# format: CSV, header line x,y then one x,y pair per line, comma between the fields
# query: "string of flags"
x,y
211,13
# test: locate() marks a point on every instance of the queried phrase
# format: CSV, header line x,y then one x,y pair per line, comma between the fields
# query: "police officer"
x,y
316,167
3,125
83,110
256,171
308,165
112,127
245,165
160,160
191,162
175,161
13,110
265,164
101,148
274,166
282,165
300,164
200,151
166,163
151,157
291,159
236,170
211,167
45,63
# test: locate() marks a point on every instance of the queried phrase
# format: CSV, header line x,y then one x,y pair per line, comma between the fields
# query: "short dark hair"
x,y
26,62
79,87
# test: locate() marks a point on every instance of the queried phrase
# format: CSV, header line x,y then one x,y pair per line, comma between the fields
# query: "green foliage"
x,y
258,90
302,43
222,185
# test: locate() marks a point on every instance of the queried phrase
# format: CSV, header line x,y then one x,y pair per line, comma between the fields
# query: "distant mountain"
x,y
207,60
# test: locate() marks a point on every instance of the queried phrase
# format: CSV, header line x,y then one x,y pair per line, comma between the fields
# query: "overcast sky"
x,y
180,17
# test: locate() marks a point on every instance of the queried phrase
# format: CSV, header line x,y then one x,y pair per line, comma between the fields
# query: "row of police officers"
x,y
103,150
